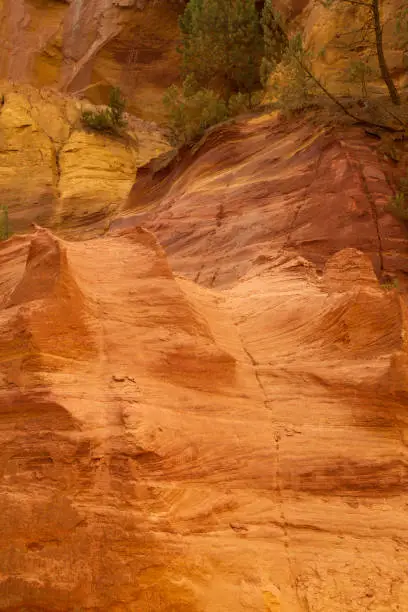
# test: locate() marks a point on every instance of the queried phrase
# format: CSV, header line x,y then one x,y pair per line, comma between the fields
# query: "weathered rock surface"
x,y
261,186
168,447
86,46
54,172
338,36
230,444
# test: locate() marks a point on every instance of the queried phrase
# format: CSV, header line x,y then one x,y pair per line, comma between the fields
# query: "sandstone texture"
x,y
55,172
86,46
262,186
204,362
166,446
336,36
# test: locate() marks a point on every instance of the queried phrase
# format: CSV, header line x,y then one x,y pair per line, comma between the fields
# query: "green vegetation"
x,y
222,45
275,40
292,84
398,204
110,119
4,223
191,111
390,283
221,49
370,36
231,54
295,84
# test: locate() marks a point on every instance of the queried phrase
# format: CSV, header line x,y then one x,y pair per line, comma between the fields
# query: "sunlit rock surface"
x,y
170,447
55,172
262,186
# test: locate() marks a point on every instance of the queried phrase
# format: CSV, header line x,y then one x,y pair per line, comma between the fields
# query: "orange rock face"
x,y
168,447
260,187
86,46
89,45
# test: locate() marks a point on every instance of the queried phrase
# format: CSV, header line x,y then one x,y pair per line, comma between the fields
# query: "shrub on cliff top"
x,y
222,45
191,112
110,119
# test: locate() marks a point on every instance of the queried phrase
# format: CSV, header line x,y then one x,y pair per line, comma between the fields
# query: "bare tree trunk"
x,y
385,73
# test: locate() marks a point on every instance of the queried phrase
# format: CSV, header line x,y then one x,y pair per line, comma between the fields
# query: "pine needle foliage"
x,y
222,45
275,40
190,111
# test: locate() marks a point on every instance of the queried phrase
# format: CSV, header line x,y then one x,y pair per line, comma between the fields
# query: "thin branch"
x,y
404,123
364,28
340,105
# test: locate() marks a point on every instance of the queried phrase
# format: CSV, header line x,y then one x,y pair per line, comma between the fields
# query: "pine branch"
x,y
345,110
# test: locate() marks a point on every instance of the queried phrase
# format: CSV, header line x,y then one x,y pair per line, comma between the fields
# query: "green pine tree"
x,y
222,45
275,40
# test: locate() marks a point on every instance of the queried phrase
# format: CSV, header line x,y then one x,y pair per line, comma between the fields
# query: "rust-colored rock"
x,y
262,186
164,446
349,269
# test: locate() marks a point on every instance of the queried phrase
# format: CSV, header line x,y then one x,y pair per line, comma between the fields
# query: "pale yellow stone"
x,y
55,172
97,173
328,35
27,160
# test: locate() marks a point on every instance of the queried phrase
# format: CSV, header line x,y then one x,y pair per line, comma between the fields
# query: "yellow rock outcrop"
x,y
52,170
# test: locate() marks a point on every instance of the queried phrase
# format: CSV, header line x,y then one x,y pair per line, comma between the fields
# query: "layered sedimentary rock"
x,y
263,185
57,173
169,447
87,47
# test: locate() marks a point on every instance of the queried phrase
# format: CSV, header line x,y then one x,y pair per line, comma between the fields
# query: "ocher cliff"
x,y
86,46
204,362
264,185
75,51
54,171
169,447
